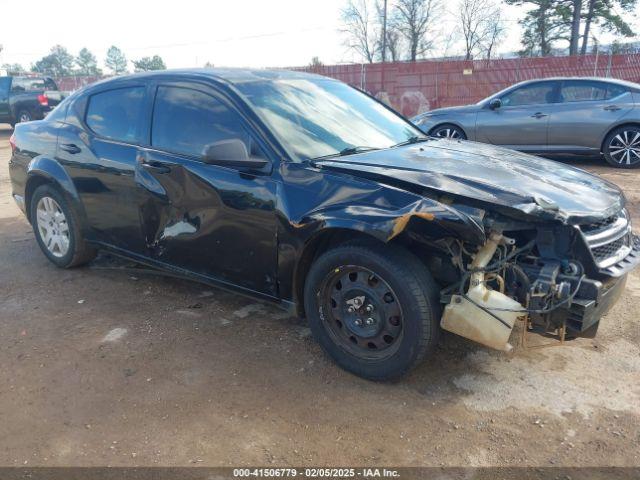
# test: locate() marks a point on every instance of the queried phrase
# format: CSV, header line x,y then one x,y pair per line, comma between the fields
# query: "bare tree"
x,y
388,41
447,44
495,33
360,29
481,26
393,44
414,20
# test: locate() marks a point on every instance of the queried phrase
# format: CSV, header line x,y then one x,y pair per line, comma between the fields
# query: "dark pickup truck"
x,y
23,99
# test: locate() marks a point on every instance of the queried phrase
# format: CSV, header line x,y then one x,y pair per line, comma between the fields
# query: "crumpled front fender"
x,y
422,217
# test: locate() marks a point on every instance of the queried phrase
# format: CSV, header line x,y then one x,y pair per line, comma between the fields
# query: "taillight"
x,y
43,100
12,142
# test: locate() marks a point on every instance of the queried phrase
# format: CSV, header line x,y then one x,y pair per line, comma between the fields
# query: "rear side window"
x,y
186,121
59,114
577,91
117,114
614,91
534,94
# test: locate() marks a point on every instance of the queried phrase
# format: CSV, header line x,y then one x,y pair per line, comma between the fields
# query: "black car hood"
x,y
490,175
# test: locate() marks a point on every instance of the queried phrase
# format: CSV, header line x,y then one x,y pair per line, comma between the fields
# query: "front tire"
x,y
448,130
622,147
374,309
57,229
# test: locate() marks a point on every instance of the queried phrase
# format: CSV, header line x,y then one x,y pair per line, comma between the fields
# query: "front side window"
x,y
535,94
117,114
318,117
188,122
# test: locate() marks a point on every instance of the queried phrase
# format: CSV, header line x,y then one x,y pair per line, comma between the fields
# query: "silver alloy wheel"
x,y
53,227
448,132
624,148
24,117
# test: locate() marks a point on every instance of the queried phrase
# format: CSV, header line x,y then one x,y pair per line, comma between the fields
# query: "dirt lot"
x,y
99,367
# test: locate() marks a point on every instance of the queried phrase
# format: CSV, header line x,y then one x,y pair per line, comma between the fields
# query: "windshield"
x,y
316,118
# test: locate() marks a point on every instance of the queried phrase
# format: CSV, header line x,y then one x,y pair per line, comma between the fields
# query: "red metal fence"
x,y
413,87
71,83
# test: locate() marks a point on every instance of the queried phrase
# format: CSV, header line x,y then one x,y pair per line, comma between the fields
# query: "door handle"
x,y
156,166
71,148
612,108
539,115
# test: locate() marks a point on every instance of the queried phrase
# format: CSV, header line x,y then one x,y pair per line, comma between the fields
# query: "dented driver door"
x,y
211,220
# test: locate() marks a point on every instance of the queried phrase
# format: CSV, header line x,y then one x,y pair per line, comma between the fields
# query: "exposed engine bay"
x,y
559,280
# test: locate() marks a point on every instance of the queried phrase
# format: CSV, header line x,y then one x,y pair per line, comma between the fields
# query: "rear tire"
x,y
621,148
24,116
447,130
57,229
385,285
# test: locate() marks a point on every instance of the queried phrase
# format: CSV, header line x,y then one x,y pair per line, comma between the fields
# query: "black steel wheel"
x,y
448,130
361,312
373,308
622,147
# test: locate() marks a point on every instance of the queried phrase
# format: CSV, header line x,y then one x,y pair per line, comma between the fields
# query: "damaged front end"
x,y
559,279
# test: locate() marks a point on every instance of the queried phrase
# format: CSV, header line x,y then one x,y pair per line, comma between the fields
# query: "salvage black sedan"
x,y
303,191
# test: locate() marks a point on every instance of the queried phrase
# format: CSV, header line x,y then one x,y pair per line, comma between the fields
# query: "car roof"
x,y
597,79
227,75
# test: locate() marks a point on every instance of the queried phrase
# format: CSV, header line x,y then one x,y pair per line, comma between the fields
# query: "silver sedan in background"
x,y
577,116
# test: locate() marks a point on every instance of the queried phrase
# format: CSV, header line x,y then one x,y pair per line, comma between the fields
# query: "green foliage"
x,y
58,63
547,25
13,68
149,63
116,61
606,15
87,63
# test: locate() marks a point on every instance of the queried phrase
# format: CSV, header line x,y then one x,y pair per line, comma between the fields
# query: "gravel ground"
x,y
99,367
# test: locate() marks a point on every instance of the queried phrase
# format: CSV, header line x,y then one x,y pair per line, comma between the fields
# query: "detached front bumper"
x,y
594,298
583,316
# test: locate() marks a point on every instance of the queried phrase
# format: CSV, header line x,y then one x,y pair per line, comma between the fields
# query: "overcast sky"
x,y
186,33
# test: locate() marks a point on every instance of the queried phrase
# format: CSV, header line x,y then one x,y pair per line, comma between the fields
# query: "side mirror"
x,y
495,104
231,153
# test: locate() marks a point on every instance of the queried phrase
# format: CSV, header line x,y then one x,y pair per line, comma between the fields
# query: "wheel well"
x,y
33,183
628,124
323,242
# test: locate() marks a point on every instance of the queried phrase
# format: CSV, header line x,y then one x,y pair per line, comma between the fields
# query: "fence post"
x,y
437,93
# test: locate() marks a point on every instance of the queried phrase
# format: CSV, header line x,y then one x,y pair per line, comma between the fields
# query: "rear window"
x,y
117,114
32,84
